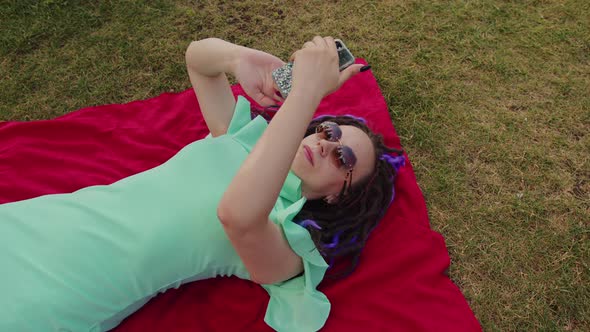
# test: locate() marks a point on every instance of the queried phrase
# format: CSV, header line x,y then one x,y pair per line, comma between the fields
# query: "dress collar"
x,y
291,190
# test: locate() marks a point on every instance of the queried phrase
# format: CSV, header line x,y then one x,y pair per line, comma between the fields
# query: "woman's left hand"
x,y
315,68
253,71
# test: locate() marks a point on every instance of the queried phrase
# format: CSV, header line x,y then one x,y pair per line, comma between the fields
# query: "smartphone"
x,y
282,76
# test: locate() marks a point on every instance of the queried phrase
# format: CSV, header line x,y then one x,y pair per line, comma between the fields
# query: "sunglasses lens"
x,y
346,157
330,130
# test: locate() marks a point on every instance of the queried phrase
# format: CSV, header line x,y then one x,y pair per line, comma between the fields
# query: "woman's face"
x,y
316,162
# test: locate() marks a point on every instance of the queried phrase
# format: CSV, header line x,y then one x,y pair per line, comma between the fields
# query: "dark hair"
x,y
340,230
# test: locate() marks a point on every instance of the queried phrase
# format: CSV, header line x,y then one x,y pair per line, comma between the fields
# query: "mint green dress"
x,y
84,261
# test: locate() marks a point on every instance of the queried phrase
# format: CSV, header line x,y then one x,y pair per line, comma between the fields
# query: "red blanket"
x,y
399,285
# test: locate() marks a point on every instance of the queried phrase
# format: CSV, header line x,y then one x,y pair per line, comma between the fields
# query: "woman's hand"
x,y
253,70
315,68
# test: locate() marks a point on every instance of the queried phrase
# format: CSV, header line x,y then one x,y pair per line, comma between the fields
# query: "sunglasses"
x,y
344,155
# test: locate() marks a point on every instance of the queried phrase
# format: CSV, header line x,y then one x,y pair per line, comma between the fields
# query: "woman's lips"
x,y
308,154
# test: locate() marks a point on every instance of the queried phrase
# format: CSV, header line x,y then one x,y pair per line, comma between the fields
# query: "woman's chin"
x,y
298,166
297,171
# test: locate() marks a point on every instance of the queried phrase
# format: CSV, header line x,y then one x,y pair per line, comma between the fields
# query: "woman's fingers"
x,y
308,44
331,44
323,42
277,96
348,73
273,92
267,96
264,101
319,41
293,56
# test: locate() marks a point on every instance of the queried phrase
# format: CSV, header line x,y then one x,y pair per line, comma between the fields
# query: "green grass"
x,y
491,99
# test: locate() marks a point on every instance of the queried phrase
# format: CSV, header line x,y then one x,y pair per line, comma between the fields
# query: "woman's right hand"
x,y
315,68
253,70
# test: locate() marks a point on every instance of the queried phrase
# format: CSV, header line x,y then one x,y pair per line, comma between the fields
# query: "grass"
x,y
491,99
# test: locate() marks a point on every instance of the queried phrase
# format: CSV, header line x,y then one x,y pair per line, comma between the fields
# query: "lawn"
x,y
491,100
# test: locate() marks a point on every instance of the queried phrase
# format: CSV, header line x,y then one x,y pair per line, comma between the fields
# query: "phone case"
x,y
345,57
282,77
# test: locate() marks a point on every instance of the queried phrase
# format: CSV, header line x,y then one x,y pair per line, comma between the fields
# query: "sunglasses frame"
x,y
328,127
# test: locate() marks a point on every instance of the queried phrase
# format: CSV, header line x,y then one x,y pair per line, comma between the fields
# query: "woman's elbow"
x,y
225,214
189,55
193,48
231,217
232,213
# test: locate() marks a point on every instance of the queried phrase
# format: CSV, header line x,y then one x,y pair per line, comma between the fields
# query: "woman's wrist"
x,y
309,96
233,63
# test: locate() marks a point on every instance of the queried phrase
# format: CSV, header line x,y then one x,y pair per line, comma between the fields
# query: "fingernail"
x,y
365,68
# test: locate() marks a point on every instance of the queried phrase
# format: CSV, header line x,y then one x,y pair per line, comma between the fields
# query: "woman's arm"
x,y
207,61
246,204
254,190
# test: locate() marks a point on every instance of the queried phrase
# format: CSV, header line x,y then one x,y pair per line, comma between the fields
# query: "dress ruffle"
x,y
296,304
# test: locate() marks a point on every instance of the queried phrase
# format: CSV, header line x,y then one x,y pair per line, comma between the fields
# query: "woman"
x,y
265,202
